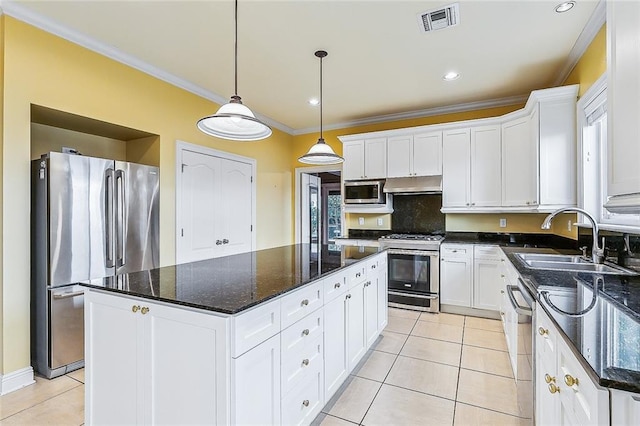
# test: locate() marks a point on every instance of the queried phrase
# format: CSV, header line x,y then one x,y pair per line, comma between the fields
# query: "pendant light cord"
x,y
321,104
236,53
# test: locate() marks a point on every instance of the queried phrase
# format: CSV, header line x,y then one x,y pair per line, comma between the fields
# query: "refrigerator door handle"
x,y
121,237
109,185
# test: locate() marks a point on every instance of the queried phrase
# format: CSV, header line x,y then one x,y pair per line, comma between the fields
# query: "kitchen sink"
x,y
570,263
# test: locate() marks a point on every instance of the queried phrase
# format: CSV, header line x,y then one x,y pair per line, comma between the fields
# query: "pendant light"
x,y
234,121
321,153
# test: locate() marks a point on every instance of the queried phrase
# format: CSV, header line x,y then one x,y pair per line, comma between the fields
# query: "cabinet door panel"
x,y
335,339
371,310
427,154
375,158
455,168
399,153
486,176
356,340
519,162
455,282
487,283
353,166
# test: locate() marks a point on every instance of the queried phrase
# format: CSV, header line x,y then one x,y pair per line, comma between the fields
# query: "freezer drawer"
x,y
67,325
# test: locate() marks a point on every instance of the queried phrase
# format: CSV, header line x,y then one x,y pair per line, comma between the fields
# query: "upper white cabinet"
x,y
456,151
519,163
485,166
365,159
623,104
414,155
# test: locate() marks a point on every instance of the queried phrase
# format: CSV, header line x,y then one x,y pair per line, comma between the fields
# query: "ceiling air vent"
x,y
431,20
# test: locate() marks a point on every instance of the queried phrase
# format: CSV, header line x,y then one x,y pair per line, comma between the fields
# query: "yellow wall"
x,y
2,296
370,221
592,63
42,69
521,223
47,138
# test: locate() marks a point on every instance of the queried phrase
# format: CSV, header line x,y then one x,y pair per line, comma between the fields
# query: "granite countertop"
x,y
232,284
602,327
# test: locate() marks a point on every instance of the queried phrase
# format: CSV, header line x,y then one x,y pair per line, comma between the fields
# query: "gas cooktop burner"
x,y
417,237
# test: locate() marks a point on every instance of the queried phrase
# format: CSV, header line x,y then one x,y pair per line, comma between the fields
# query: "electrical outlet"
x,y
380,221
503,223
361,221
569,225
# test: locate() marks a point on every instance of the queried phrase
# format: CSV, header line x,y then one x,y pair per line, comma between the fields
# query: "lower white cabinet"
x,y
625,408
336,366
149,363
456,274
487,277
383,292
356,340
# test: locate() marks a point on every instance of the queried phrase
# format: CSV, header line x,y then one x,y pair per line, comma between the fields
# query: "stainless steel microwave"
x,y
364,192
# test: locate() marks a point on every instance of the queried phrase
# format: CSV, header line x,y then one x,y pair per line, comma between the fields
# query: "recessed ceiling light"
x,y
451,75
314,101
563,7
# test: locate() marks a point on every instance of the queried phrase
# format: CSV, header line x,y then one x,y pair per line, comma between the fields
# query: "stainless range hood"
x,y
414,185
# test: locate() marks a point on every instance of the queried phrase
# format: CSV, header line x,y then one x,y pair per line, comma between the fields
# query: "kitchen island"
x,y
265,337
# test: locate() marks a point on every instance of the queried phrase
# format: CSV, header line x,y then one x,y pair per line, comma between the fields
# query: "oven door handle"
x,y
417,296
522,310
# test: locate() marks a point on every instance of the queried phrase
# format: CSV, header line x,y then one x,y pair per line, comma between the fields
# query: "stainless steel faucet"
x,y
597,252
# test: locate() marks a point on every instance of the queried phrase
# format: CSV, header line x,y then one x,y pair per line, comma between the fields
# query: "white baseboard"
x,y
16,380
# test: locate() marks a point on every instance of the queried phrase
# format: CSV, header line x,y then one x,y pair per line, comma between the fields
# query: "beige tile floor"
x,y
430,369
425,369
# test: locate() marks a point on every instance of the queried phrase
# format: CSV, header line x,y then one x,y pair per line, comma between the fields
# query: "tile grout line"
x,y
455,404
39,403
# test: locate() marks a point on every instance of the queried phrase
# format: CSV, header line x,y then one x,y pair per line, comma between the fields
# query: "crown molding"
x,y
17,11
429,112
589,32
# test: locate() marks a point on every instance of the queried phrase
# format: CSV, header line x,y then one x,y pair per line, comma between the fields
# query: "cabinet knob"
x,y
543,331
135,308
144,310
348,296
473,204
225,241
501,314
305,402
218,242
305,332
502,276
501,291
549,379
305,361
570,380
553,388
467,203
373,266
358,274
305,302
336,285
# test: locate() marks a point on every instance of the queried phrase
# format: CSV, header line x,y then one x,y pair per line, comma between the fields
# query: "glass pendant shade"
x,y
321,153
234,121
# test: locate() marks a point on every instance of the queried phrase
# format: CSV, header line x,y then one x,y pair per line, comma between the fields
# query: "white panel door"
x,y
235,206
375,158
486,176
487,283
336,366
371,310
356,341
353,166
455,168
519,162
427,154
399,155
199,207
455,281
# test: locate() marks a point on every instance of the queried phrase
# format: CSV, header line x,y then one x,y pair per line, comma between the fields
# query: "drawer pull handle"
x,y
570,380
553,388
144,310
305,402
336,285
305,302
305,361
305,332
549,379
135,308
543,331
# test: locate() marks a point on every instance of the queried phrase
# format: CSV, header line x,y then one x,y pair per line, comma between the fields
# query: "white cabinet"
x,y
414,155
487,277
336,366
456,274
371,331
365,159
519,162
565,393
623,102
256,374
380,272
146,359
485,165
625,408
356,340
456,152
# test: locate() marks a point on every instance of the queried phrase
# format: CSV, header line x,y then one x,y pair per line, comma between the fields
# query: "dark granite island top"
x,y
602,328
234,283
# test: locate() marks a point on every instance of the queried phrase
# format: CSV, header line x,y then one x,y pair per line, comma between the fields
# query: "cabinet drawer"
x,y
487,252
298,366
355,275
254,327
300,303
334,286
304,402
456,250
303,332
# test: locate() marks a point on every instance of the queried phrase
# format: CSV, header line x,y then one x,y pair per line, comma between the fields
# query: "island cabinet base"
x,y
278,362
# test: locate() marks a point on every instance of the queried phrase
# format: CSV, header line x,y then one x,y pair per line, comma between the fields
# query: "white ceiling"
x,y
379,62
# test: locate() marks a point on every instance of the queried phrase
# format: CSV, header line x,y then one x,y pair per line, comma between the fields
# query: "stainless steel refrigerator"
x,y
91,218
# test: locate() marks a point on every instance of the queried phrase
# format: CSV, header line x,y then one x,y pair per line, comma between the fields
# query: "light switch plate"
x,y
380,221
503,223
569,225
361,221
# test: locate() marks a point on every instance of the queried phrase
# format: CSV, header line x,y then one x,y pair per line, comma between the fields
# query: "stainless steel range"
x,y
414,270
